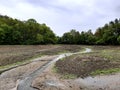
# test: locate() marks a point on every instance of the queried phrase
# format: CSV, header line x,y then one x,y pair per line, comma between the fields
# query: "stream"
x,y
25,83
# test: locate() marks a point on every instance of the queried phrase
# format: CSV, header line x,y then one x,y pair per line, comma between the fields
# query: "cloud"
x,y
63,15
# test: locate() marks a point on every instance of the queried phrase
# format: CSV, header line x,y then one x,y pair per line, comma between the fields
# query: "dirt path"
x,y
25,83
53,81
24,75
38,75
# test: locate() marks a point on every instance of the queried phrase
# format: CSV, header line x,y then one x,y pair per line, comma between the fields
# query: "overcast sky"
x,y
63,15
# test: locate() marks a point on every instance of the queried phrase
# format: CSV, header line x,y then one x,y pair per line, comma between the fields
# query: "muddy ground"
x,y
16,53
83,66
80,65
12,54
49,80
9,79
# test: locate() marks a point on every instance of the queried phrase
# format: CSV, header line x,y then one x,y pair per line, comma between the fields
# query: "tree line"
x,y
14,31
109,34
30,32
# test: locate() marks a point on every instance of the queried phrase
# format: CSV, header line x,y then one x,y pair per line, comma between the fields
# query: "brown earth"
x,y
16,53
10,79
53,81
11,54
49,80
83,66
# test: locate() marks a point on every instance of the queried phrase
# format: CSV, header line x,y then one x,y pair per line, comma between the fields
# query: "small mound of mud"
x,y
83,66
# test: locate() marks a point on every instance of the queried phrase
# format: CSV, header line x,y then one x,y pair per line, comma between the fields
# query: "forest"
x,y
14,31
30,32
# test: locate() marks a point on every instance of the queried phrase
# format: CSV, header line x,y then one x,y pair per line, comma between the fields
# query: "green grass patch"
x,y
55,69
104,72
64,51
69,76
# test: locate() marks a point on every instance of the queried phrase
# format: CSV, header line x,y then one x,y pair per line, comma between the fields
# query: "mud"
x,y
49,80
25,83
10,79
83,66
53,81
105,82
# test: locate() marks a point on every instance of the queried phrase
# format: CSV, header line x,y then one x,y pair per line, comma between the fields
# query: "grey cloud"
x,y
63,15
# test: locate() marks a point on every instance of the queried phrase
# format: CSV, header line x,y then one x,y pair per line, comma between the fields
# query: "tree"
x,y
39,39
13,31
118,39
2,36
71,37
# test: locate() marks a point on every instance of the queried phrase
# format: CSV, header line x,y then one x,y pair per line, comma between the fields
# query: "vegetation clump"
x,y
14,31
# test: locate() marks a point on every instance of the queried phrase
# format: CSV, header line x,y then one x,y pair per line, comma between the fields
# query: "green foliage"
x,y
2,35
74,37
109,34
13,31
118,39
39,39
107,71
69,76
71,37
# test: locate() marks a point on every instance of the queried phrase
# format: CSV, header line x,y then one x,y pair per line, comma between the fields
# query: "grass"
x,y
13,65
55,69
10,54
102,60
111,53
105,72
24,61
13,55
69,76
